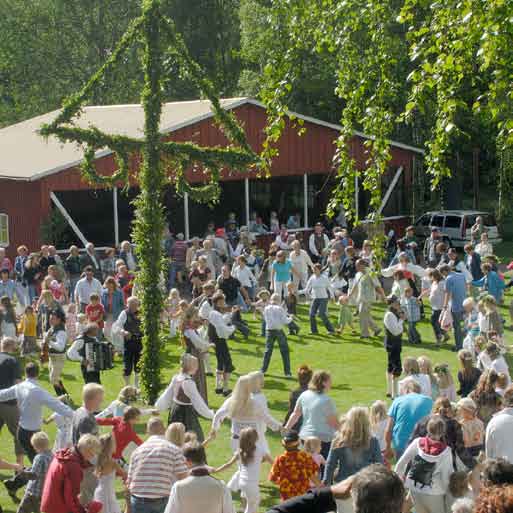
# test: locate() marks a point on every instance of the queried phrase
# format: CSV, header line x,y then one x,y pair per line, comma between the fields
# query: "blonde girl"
x,y
175,433
445,382
9,326
378,416
249,456
426,368
173,311
312,445
411,370
106,470
493,318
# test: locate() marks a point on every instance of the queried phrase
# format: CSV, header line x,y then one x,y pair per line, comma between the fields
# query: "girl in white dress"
x,y
106,470
249,457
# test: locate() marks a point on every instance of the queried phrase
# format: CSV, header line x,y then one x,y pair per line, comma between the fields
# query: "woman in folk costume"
x,y
183,400
196,345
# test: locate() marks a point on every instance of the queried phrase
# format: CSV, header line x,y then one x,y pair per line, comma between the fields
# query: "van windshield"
x,y
488,219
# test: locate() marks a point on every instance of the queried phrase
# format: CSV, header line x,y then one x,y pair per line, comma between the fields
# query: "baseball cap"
x,y
291,436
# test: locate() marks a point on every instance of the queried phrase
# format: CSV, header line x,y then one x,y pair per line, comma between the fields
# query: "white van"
x,y
456,225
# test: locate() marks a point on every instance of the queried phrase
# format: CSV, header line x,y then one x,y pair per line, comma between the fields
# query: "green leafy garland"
x,y
163,161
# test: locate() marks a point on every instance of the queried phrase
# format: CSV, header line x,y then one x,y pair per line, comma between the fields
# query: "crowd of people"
x,y
443,445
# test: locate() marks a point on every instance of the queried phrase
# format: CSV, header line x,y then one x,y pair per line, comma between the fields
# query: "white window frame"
x,y
4,218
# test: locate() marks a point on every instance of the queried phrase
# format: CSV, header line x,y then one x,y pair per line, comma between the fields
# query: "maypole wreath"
x,y
163,162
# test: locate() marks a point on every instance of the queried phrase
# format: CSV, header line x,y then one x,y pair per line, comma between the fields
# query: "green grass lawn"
x,y
358,370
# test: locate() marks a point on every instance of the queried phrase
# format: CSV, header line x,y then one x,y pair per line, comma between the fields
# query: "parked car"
x,y
455,225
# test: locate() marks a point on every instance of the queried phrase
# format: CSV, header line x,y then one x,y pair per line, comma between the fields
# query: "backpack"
x,y
421,471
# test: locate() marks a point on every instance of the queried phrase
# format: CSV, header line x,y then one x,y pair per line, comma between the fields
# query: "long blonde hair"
x,y
355,433
105,461
377,413
241,404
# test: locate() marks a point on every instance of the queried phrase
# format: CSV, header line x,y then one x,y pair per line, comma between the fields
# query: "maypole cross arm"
x,y
162,161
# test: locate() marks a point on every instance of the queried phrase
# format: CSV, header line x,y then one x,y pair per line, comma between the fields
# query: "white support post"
x,y
356,195
390,189
305,200
186,215
116,218
246,200
68,218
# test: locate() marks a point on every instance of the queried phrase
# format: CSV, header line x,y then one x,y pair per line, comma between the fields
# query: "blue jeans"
x,y
32,293
142,505
271,337
457,319
319,306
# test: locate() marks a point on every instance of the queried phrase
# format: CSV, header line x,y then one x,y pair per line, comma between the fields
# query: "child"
x,y
436,299
502,383
312,445
96,313
81,325
28,331
127,395
293,470
471,323
445,382
192,438
263,300
473,428
468,375
56,285
483,360
175,433
426,367
400,284
71,321
378,415
79,350
274,223
412,371
8,316
106,470
250,457
411,305
345,315
459,489
393,322
291,304
498,363
493,318
31,502
63,438
123,430
173,311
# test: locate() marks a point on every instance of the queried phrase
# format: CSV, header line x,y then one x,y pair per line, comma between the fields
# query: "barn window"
x,y
4,230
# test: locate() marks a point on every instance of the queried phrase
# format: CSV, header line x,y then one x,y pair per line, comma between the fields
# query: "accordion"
x,y
99,355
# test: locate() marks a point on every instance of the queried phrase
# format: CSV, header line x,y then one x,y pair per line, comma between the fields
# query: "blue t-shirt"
x,y
316,408
282,271
456,286
406,411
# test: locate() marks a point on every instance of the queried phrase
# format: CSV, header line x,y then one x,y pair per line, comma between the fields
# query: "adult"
x,y
45,259
32,276
458,265
304,375
61,488
354,448
128,325
183,400
487,399
426,466
476,230
455,294
54,341
301,263
19,272
244,411
79,351
320,290
199,492
128,255
31,398
73,269
375,489
109,263
364,291
190,256
318,411
318,243
430,255
212,260
403,415
491,282
90,259
484,248
231,288
8,287
283,239
10,374
154,468
281,271
113,304
499,429
246,278
177,256
85,287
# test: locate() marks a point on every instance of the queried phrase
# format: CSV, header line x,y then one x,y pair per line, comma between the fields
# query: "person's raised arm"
x,y
219,416
228,464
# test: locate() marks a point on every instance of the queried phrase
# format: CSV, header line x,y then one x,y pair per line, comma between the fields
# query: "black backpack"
x,y
421,471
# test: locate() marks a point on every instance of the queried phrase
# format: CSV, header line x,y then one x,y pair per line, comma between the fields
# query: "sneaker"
x,y
218,391
377,333
389,396
11,490
289,375
226,393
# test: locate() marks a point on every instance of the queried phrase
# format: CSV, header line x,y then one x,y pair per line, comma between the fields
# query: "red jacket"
x,y
62,483
123,434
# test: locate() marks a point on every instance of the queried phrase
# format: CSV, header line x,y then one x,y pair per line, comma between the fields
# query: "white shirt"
x,y
198,341
317,287
423,381
168,397
203,494
484,249
393,324
59,344
31,399
311,244
499,442
245,276
205,309
283,244
130,261
499,365
85,288
412,268
276,317
223,329
300,262
436,295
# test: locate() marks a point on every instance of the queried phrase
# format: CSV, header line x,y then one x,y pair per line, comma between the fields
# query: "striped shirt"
x,y
154,467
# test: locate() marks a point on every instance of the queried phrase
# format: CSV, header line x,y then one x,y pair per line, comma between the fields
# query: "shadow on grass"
x,y
273,384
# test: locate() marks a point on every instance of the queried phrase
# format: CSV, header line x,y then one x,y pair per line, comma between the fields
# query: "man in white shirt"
x,y
245,276
31,398
301,262
85,287
276,319
499,442
90,259
200,492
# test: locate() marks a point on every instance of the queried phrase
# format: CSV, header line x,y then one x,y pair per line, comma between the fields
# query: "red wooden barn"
x,y
38,176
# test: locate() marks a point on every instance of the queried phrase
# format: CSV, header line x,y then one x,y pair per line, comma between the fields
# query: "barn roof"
x,y
25,155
